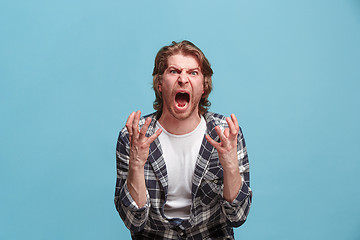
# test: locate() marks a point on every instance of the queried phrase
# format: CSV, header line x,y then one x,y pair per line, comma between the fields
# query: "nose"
x,y
183,78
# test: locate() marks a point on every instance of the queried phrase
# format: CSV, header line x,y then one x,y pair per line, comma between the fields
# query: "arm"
x,y
131,196
233,158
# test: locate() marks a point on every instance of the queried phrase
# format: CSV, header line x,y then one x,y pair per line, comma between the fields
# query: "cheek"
x,y
200,90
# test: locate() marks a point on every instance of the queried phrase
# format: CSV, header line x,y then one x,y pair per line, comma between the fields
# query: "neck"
x,y
179,126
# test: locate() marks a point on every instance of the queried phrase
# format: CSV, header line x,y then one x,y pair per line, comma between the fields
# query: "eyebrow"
x,y
187,69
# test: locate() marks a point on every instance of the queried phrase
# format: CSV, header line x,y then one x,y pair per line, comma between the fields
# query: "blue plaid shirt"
x,y
211,216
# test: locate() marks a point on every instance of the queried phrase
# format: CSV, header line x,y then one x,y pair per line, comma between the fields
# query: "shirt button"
x,y
181,234
215,181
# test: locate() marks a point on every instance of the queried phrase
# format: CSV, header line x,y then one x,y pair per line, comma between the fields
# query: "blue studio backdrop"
x,y
72,71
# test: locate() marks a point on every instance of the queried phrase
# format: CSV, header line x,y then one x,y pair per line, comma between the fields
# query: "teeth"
x,y
182,99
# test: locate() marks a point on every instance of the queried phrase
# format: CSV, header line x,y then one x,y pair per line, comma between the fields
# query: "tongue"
x,y
181,99
181,102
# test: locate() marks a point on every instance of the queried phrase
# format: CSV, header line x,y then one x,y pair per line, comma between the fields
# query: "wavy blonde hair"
x,y
161,63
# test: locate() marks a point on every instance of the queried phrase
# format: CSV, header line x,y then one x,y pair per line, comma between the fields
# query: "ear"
x,y
160,87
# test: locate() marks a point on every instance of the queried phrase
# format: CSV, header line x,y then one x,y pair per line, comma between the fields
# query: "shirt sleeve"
x,y
134,217
238,210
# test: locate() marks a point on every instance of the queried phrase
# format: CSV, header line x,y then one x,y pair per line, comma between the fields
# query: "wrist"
x,y
136,168
230,165
233,170
136,164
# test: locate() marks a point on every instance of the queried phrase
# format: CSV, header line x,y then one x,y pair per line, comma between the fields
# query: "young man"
x,y
182,172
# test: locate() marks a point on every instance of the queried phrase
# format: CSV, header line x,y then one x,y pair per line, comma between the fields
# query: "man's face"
x,y
182,86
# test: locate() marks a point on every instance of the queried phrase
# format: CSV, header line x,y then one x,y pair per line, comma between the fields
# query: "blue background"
x,y
72,71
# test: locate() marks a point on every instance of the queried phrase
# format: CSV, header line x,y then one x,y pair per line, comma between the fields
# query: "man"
x,y
182,172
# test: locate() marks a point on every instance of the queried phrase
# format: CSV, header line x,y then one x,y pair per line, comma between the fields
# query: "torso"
x,y
180,154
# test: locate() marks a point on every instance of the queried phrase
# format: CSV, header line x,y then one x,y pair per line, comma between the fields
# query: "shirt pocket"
x,y
211,188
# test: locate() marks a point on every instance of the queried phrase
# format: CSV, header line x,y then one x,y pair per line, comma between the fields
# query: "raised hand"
x,y
139,143
227,152
227,147
139,152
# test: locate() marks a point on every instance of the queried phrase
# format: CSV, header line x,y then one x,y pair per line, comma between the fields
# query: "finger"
x,y
214,143
144,128
231,126
154,136
235,121
221,134
227,132
129,124
135,124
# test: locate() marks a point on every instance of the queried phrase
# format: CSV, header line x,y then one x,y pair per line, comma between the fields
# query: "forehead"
x,y
183,61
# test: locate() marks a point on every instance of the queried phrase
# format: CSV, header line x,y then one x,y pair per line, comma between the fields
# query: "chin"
x,y
183,115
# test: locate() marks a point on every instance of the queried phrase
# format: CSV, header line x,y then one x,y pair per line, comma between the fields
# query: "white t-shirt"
x,y
180,155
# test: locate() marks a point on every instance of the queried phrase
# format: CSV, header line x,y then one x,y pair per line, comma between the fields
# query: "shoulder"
x,y
215,119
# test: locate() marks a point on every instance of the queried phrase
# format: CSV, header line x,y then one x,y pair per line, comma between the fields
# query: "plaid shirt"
x,y
211,216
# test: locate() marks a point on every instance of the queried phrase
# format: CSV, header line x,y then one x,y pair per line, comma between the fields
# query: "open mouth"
x,y
182,99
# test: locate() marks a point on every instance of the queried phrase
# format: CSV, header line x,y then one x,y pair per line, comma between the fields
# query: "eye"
x,y
173,71
194,73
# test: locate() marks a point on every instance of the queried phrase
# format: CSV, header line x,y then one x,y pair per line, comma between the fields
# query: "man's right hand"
x,y
139,143
139,152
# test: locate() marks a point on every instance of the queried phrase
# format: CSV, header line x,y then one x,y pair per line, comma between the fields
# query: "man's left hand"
x,y
227,152
227,147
